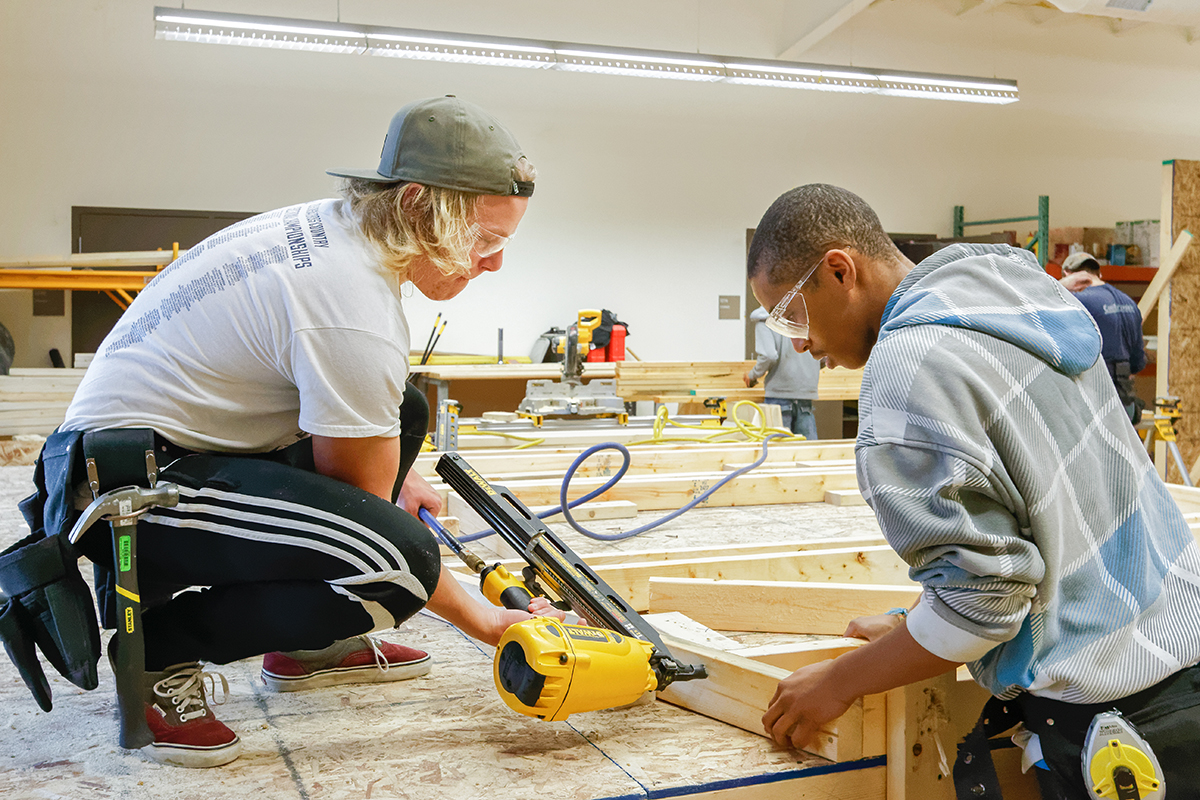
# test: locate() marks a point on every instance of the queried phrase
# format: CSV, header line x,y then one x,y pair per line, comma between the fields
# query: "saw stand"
x,y
1166,411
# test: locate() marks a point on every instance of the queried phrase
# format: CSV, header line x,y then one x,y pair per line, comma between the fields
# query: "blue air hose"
x,y
565,508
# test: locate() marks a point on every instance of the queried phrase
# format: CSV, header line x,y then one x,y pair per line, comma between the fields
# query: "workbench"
x,y
492,387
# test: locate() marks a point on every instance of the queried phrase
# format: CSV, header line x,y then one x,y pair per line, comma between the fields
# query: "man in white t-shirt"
x,y
270,364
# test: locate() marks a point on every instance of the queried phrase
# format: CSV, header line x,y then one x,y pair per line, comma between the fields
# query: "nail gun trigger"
x,y
529,576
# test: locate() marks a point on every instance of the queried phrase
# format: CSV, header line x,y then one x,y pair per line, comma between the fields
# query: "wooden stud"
x,y
1165,271
610,509
673,490
631,557
844,497
498,464
776,606
738,691
794,655
876,564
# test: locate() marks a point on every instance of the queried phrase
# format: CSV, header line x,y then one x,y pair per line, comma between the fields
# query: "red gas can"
x,y
616,344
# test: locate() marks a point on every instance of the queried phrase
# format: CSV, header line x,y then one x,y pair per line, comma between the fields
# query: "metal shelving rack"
x,y
1042,219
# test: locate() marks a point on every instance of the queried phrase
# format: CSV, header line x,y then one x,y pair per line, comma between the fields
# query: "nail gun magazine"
x,y
549,669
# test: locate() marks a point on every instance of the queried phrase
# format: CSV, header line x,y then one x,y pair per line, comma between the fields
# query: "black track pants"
x,y
284,558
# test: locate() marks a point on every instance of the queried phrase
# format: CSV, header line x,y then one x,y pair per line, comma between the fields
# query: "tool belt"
x,y
44,601
1123,380
1167,715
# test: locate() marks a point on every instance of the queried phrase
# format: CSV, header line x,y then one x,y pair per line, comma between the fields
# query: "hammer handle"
x,y
130,665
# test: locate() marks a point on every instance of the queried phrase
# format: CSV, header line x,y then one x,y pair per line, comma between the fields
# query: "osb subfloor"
x,y
445,735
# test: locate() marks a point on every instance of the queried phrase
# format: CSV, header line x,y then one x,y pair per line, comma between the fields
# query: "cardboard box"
x,y
1094,240
1144,235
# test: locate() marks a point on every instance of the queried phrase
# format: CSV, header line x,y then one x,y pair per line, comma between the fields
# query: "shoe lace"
x,y
185,690
380,659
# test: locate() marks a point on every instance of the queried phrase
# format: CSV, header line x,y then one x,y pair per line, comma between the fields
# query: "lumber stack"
x,y
684,381
34,401
839,384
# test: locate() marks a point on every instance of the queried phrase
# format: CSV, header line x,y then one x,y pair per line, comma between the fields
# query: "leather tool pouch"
x,y
47,602
44,601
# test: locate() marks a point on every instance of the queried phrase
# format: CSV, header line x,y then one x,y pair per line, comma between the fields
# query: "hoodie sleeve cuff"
x,y
943,639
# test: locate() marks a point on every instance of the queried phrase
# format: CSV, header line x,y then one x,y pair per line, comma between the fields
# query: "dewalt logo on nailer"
x,y
480,481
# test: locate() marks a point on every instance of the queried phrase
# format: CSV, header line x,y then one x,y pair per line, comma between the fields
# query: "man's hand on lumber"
x,y
819,693
872,627
804,701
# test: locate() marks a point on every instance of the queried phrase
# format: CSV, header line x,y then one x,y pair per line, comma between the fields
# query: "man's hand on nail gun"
x,y
416,493
503,618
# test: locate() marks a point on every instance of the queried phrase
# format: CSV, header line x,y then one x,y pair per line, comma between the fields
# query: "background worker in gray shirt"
x,y
791,377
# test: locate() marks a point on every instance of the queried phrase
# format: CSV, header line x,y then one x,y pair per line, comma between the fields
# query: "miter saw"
x,y
570,396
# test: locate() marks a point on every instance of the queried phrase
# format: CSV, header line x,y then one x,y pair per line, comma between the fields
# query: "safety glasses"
x,y
790,315
488,243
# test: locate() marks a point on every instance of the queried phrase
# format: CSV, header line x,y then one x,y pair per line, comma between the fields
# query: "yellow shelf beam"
x,y
80,279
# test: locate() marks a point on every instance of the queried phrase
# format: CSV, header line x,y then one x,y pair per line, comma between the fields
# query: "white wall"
x,y
646,188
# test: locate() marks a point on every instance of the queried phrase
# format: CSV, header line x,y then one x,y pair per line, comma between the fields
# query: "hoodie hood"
x,y
1021,304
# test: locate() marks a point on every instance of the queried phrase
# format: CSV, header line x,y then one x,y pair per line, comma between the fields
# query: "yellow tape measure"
x,y
1118,763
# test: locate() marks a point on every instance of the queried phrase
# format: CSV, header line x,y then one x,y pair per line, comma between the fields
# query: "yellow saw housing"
x,y
548,669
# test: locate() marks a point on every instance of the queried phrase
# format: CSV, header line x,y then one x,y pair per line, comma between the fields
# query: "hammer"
x,y
122,507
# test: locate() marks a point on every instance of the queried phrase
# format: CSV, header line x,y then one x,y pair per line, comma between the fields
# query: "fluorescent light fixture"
x,y
175,24
178,25
432,46
639,63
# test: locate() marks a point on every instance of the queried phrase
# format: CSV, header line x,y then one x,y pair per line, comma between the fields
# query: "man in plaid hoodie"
x,y
1002,468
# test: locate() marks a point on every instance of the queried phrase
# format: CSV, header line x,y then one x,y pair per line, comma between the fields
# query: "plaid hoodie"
x,y
995,454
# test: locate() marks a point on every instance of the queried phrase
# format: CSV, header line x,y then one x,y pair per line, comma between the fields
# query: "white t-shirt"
x,y
278,326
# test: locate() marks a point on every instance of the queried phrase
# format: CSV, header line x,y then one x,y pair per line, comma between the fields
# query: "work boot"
x,y
186,732
362,659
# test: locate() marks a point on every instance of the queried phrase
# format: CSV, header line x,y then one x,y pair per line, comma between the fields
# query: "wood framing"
x,y
839,384
776,606
926,720
670,491
844,497
645,380
738,691
876,564
630,557
794,655
497,464
1161,278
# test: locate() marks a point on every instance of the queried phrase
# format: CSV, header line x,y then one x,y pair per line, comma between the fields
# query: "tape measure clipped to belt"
x,y
1118,764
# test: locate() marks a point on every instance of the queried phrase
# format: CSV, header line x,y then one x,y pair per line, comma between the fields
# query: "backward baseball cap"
x,y
450,143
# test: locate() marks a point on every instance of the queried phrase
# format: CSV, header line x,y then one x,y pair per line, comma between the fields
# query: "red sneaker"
x,y
362,659
186,732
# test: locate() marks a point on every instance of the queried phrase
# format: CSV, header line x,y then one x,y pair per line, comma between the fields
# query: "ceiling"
x,y
1121,15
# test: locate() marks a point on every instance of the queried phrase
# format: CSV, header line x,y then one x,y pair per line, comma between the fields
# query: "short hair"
x,y
439,223
808,221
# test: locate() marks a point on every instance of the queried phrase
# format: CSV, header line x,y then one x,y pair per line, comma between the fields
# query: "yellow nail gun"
x,y
545,668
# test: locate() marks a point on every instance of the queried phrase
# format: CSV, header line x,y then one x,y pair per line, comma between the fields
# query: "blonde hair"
x,y
435,223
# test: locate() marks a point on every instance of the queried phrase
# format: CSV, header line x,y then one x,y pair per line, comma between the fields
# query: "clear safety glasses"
x,y
488,243
790,315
